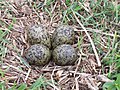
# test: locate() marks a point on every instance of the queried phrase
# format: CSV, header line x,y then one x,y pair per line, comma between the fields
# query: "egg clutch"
x,y
44,48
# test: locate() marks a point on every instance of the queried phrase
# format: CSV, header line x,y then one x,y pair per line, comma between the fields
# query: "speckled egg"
x,y
64,55
38,55
63,35
38,34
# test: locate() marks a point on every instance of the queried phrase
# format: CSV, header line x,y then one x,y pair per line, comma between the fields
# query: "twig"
x,y
78,64
27,74
16,68
55,88
53,84
76,81
54,7
97,31
83,6
92,43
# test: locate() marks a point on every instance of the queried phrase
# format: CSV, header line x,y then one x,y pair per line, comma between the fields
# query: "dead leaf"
x,y
26,10
59,73
18,2
103,78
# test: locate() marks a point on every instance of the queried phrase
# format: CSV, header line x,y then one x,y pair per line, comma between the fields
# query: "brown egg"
x,y
64,55
63,35
38,34
38,55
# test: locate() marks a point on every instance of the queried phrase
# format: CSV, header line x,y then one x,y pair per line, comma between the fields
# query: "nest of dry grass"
x,y
86,74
